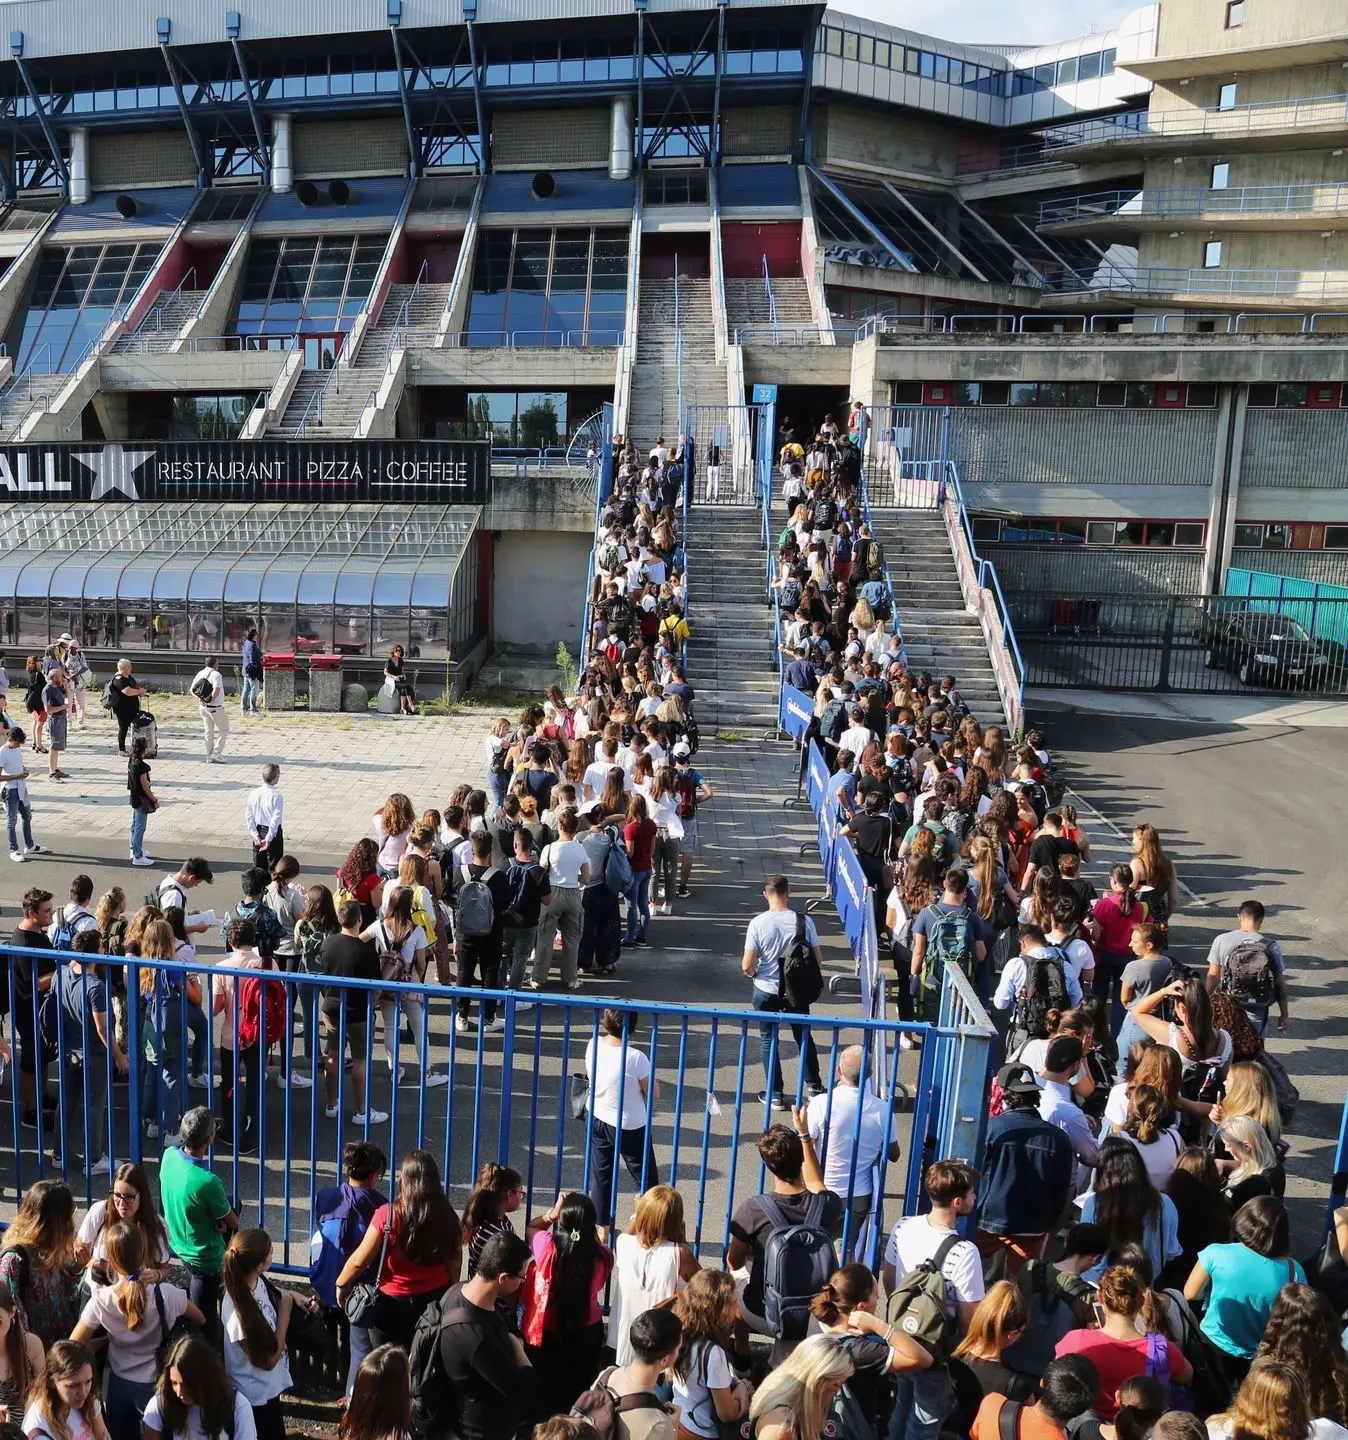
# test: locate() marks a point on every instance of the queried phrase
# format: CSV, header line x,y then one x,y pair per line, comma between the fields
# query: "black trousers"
x,y
267,856
480,955
635,1147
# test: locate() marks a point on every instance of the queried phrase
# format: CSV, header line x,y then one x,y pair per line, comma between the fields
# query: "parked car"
x,y
1263,649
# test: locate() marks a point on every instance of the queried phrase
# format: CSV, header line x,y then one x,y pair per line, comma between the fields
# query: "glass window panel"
x,y
1081,394
1023,394
1088,67
1100,532
392,627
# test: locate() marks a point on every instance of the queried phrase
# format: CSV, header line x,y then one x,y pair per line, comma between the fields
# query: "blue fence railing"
x,y
508,1096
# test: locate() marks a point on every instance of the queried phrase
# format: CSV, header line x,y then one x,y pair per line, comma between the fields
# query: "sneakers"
x,y
37,850
214,759
296,1080
17,856
462,1025
142,862
435,1080
370,1117
494,1027
775,1102
198,1082
812,1091
151,1130
331,1111
683,892
906,1042
101,1166
400,1076
666,909
59,775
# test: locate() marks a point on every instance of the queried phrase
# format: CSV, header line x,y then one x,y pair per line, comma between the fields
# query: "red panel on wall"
x,y
938,392
1322,397
1170,394
744,246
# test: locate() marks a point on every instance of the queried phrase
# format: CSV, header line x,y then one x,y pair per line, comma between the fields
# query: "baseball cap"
x,y
65,638
682,750
1063,1053
1017,1080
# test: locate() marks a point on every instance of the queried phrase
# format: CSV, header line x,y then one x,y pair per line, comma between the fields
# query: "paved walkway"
x,y
1312,712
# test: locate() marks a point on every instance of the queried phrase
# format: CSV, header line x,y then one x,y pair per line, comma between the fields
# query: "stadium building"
x,y
266,274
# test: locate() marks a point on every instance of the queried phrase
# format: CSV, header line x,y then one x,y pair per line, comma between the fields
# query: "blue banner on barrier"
x,y
795,710
850,892
816,779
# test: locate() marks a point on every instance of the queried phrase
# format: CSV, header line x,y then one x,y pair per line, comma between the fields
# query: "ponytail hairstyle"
x,y
848,1289
16,1351
1001,1315
1121,876
1152,935
248,1252
126,1256
65,1360
1149,1114
202,1375
494,1183
1132,1259
1142,1402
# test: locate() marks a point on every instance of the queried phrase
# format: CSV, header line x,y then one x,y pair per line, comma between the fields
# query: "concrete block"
x,y
387,701
325,690
278,690
355,698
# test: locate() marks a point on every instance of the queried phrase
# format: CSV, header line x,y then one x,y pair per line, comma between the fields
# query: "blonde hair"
x,y
1249,1091
1000,1315
156,943
797,1385
659,1217
126,1255
1247,1131
1270,1404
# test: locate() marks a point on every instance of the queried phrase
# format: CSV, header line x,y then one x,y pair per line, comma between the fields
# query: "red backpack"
x,y
685,787
251,999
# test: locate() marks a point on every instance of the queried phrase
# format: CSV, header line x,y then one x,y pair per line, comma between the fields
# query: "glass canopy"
x,y
354,579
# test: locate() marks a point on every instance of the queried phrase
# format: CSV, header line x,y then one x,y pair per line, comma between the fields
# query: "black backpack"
x,y
1045,989
797,1262
602,1406
436,1405
1247,973
800,982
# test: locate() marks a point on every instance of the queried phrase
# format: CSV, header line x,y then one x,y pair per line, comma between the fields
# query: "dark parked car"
x,y
1264,649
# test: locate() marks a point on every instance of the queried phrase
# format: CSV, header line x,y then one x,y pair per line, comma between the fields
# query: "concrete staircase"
x,y
746,303
653,409
162,326
941,635
25,395
731,664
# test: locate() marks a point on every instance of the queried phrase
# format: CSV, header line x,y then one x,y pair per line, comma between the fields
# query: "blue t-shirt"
x,y
840,782
1244,1286
1159,1239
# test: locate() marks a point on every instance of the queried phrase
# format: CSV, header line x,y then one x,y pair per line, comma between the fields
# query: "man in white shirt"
x,y
194,871
770,936
856,737
568,870
1058,1106
1066,922
262,816
76,917
837,1110
1019,975
927,1397
214,716
14,791
596,775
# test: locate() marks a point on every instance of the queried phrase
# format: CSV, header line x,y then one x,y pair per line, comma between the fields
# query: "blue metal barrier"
x,y
512,1104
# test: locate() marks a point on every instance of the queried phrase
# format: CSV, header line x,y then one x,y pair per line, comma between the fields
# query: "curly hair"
x,y
361,860
1303,1331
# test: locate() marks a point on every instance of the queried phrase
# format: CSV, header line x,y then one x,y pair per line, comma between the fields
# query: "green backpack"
x,y
950,938
918,1305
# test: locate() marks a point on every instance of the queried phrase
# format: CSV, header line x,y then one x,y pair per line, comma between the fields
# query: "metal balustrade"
x,y
1176,203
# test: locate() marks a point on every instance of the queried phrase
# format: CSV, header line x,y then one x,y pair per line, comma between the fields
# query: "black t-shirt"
x,y
134,771
871,833
121,701
23,970
1081,890
500,899
493,1389
348,958
751,1225
1045,849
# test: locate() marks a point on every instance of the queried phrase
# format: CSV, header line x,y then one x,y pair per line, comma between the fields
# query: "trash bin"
x,y
325,682
278,679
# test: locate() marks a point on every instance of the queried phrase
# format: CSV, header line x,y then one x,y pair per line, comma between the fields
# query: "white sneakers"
x,y
296,1080
436,1080
142,862
372,1117
17,856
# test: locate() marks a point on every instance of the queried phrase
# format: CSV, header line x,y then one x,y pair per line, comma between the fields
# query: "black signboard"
x,y
404,472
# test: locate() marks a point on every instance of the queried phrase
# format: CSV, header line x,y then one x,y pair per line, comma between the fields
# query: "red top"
x,y
1116,928
364,892
639,836
1115,1361
403,1276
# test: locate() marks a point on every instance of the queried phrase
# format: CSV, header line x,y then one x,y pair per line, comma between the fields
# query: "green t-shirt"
x,y
194,1202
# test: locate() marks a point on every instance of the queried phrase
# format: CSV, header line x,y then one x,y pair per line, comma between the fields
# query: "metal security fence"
x,y
729,453
515,1096
1236,644
904,450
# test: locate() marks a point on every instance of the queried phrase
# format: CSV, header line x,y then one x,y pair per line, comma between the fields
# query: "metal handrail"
x,y
772,299
1158,279
678,354
788,335
1213,119
1177,201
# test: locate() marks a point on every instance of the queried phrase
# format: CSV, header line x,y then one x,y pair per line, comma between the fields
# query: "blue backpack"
x,y
342,1216
617,867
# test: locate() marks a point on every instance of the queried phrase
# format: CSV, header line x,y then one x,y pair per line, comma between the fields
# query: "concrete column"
x,y
282,155
1226,475
79,166
620,146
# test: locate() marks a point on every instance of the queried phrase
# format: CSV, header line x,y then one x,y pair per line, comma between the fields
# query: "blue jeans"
x,y
498,782
923,1400
772,1064
138,821
16,809
252,689
164,1079
124,1410
639,904
1108,977
361,1345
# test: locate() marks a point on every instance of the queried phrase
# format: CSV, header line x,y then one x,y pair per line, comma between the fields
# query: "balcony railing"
x,y
1196,202
1165,280
1311,111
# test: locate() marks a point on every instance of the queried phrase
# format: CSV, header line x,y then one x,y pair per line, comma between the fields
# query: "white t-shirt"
x,y
36,1423
12,764
256,1385
916,1239
596,777
842,1120
562,860
708,1370
855,739
91,1234
1159,1157
131,1353
217,683
770,935
1116,1107
606,1077
245,1428
1034,1052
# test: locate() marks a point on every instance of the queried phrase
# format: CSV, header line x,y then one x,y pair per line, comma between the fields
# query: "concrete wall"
x,y
539,503
1038,569
1296,449
1187,27
1322,259
538,588
1328,567
869,140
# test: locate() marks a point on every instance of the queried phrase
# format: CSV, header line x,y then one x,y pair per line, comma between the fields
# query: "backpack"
x,y
518,875
1247,973
338,1230
1059,1300
268,927
251,1017
617,867
477,909
788,597
63,935
799,980
949,938
685,787
601,1406
917,1304
421,897
1289,1097
610,557
202,690
1045,989
108,699
309,950
435,1403
847,1418
797,1262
